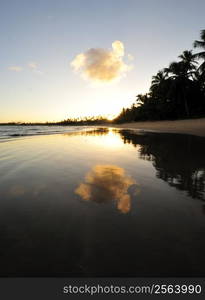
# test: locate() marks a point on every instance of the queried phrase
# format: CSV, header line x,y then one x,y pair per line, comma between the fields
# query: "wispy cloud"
x,y
32,65
102,65
130,56
15,68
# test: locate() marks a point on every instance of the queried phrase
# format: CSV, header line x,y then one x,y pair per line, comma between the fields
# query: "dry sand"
x,y
193,126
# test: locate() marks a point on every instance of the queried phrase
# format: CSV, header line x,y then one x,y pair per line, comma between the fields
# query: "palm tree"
x,y
159,77
179,73
174,70
160,85
142,99
189,62
158,80
201,55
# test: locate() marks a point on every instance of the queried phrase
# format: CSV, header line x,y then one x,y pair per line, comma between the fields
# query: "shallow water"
x,y
14,131
102,202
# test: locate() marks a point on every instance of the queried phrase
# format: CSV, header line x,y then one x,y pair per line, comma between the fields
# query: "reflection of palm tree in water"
x,y
178,159
105,183
89,132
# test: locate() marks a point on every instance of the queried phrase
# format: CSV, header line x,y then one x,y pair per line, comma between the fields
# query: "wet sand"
x,y
102,203
191,126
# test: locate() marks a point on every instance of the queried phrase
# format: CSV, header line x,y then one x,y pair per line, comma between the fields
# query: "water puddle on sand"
x,y
103,202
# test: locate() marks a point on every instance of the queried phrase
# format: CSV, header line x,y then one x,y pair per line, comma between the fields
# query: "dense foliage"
x,y
99,120
176,92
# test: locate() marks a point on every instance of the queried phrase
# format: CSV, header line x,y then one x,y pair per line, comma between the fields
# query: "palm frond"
x,y
199,44
200,55
202,34
202,67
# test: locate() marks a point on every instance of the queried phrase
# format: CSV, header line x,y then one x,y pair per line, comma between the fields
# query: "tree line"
x,y
98,120
176,92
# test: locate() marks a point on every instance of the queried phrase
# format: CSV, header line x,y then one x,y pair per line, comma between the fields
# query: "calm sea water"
x,y
102,202
20,131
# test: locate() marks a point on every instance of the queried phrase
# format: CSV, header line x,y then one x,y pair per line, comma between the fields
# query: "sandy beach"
x,y
191,126
89,203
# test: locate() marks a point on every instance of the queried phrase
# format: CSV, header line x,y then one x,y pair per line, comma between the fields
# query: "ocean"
x,y
12,131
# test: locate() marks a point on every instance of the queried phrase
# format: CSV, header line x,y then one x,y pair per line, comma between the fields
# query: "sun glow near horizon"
x,y
101,95
46,56
106,101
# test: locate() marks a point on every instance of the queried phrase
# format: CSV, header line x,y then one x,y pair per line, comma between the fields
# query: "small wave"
x,y
20,134
9,132
17,134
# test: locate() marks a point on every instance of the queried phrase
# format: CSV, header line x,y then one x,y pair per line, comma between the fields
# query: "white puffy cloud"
x,y
100,64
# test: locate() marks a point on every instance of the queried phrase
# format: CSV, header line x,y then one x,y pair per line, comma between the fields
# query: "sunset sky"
x,y
73,58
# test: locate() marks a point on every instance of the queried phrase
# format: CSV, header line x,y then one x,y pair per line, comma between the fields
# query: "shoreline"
x,y
190,126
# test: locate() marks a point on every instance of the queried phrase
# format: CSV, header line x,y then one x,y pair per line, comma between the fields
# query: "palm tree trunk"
x,y
185,102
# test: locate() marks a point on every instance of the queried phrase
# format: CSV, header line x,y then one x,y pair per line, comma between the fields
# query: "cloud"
x,y
15,68
130,56
32,65
38,72
100,64
105,183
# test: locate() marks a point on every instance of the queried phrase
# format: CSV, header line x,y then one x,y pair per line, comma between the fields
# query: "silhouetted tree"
x,y
177,91
201,55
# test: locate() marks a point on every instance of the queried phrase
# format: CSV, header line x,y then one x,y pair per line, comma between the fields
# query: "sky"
x,y
74,58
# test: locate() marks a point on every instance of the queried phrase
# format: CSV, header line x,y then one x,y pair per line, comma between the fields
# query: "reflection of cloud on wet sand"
x,y
105,183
